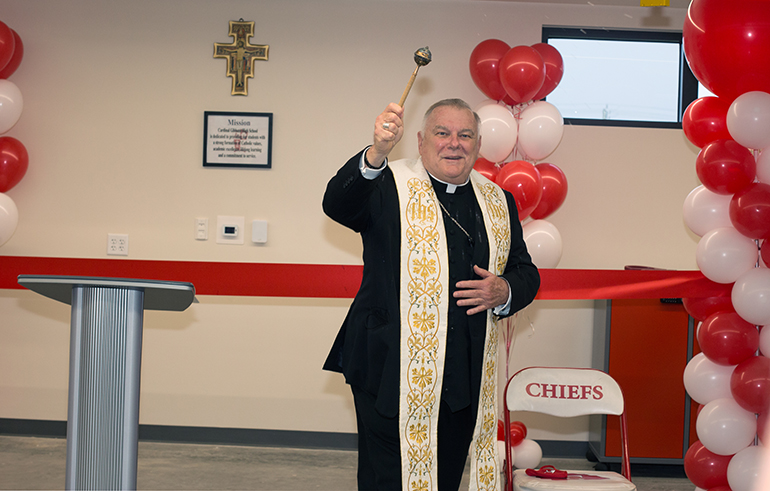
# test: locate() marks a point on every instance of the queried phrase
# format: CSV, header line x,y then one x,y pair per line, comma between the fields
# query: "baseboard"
x,y
198,434
249,437
33,427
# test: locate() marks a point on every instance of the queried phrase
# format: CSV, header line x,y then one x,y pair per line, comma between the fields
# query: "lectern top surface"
x,y
158,295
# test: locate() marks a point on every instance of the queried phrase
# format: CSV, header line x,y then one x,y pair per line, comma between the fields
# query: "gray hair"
x,y
457,104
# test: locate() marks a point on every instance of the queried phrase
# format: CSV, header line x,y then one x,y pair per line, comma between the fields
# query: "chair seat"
x,y
613,482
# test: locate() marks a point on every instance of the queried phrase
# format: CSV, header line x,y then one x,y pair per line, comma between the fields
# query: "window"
x,y
621,77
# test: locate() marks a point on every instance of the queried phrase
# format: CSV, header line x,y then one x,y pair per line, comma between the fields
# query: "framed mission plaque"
x,y
237,139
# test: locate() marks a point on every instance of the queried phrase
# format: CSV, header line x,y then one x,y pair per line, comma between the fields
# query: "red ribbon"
x,y
342,281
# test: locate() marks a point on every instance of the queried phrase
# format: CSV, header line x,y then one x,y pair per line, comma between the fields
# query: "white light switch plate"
x,y
259,231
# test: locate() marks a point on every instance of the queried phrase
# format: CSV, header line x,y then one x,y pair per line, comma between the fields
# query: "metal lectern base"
x,y
105,368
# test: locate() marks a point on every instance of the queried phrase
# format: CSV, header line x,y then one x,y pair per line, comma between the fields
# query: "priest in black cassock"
x,y
444,258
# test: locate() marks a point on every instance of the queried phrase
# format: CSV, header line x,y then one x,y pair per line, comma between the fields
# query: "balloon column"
x,y
519,130
727,48
13,155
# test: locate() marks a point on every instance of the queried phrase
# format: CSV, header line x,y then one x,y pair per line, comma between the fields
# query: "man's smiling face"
x,y
449,144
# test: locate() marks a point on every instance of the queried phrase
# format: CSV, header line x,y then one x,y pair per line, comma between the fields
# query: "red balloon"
x,y
488,169
485,67
554,190
15,61
705,120
750,384
523,181
704,468
554,68
702,308
522,73
13,162
726,339
6,44
750,211
517,431
727,45
764,252
520,425
725,167
508,101
517,435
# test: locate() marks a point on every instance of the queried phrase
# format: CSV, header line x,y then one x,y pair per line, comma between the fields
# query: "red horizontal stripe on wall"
x,y
342,281
209,278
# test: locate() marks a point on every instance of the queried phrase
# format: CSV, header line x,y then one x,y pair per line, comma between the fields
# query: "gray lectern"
x,y
105,367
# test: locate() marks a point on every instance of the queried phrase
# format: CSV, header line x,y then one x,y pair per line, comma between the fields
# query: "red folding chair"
x,y
566,392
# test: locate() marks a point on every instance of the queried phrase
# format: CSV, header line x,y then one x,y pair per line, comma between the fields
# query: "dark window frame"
x,y
688,84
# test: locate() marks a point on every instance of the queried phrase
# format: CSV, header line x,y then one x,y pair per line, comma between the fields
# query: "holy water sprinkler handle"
x,y
422,57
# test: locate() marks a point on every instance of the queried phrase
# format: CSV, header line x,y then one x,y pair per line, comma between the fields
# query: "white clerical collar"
x,y
451,188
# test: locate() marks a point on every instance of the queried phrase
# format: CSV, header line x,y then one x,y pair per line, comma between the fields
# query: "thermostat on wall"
x,y
229,230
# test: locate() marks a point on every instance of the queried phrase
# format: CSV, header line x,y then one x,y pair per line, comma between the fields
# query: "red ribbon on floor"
x,y
342,281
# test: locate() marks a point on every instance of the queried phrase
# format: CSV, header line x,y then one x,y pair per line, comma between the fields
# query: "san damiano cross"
x,y
240,55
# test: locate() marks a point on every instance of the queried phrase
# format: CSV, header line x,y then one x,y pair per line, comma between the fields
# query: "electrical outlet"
x,y
117,244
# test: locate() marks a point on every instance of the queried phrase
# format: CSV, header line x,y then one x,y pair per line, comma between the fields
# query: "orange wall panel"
x,y
647,356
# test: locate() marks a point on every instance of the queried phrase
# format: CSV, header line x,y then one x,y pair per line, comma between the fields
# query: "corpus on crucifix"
x,y
240,55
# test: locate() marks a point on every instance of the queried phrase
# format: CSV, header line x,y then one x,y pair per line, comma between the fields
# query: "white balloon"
x,y
705,210
744,468
11,104
528,454
485,102
501,453
751,296
543,243
764,341
724,254
498,132
9,218
705,380
724,427
540,130
763,166
748,120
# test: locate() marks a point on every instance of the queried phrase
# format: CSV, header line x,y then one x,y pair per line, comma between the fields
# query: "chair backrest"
x,y
564,392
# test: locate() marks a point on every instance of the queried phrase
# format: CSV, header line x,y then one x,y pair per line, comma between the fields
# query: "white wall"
x,y
114,95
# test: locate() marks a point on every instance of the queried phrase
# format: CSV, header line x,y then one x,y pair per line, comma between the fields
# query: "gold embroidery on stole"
x,y
423,302
424,307
485,472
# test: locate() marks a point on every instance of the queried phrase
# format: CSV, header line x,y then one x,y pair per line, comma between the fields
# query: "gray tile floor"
x,y
39,463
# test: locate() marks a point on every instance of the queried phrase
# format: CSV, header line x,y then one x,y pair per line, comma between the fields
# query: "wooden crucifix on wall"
x,y
240,55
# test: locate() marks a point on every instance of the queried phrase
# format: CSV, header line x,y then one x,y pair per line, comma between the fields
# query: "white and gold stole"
x,y
424,309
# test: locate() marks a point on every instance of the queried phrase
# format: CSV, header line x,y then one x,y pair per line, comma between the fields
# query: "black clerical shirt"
x,y
465,334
